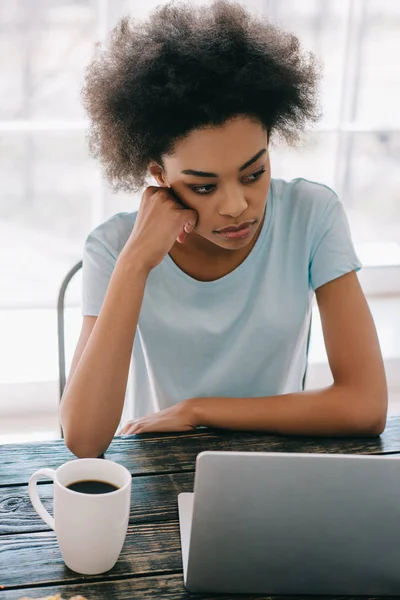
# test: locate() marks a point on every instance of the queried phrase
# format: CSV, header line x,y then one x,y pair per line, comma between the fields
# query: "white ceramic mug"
x,y
90,528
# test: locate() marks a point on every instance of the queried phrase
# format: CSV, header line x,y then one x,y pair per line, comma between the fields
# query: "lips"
x,y
237,228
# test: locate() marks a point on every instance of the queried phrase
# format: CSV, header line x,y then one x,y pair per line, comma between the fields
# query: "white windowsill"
x,y
29,354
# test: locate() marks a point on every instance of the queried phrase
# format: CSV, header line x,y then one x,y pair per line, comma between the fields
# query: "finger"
x,y
181,237
128,431
134,430
139,429
126,428
187,228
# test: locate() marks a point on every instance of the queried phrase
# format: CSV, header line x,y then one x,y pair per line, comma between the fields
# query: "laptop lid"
x,y
284,523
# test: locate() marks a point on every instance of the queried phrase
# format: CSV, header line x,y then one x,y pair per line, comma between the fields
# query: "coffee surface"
x,y
92,486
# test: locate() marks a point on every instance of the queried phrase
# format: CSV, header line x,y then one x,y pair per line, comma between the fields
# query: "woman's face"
x,y
224,174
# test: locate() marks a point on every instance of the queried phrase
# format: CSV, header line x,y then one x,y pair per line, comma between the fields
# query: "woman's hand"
x,y
179,417
161,221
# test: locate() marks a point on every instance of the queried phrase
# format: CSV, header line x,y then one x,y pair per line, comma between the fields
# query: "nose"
x,y
233,203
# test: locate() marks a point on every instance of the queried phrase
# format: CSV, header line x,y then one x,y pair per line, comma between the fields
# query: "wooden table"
x,y
162,466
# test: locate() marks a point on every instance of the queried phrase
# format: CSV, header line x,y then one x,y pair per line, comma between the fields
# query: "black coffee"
x,y
92,486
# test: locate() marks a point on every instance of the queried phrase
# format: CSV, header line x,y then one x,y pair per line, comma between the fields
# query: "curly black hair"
x,y
186,68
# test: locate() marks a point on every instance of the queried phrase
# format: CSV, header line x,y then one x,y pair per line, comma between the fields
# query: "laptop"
x,y
284,523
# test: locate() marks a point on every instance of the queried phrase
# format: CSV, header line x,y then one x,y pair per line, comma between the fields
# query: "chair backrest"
x,y
307,352
61,325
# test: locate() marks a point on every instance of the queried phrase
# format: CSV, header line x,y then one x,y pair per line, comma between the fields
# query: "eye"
x,y
256,175
197,189
203,190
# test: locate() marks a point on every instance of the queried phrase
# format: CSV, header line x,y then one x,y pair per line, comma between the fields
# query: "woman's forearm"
x,y
333,411
93,400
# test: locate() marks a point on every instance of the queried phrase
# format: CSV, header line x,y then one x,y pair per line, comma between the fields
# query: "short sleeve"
x,y
98,265
332,251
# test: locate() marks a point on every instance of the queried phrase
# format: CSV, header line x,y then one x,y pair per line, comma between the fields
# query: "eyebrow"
x,y
242,168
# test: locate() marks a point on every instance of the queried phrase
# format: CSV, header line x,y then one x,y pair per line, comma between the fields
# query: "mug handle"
x,y
34,496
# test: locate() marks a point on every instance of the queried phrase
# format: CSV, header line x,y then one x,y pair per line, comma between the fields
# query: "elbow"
x,y
372,428
377,426
79,441
364,411
374,416
83,448
80,444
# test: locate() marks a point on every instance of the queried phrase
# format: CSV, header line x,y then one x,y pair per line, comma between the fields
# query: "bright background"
x,y
52,193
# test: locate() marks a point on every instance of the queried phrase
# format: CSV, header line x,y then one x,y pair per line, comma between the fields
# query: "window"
x,y
53,194
355,148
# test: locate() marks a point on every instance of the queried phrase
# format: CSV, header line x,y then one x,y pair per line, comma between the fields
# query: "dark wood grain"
x,y
34,558
153,499
162,465
163,453
169,587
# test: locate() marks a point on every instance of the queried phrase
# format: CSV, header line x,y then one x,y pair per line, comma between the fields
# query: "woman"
x,y
213,324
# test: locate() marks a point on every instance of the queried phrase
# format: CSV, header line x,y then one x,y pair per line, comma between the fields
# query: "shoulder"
x,y
112,234
301,206
302,195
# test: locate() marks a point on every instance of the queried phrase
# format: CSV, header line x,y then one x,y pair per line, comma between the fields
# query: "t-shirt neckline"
x,y
243,266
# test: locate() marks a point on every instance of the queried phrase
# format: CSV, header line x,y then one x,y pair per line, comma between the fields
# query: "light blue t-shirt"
x,y
243,335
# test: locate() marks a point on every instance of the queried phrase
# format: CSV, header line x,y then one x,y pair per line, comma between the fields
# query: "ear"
x,y
158,173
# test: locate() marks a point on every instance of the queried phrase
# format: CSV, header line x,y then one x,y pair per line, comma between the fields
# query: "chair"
x,y
61,329
303,385
61,325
